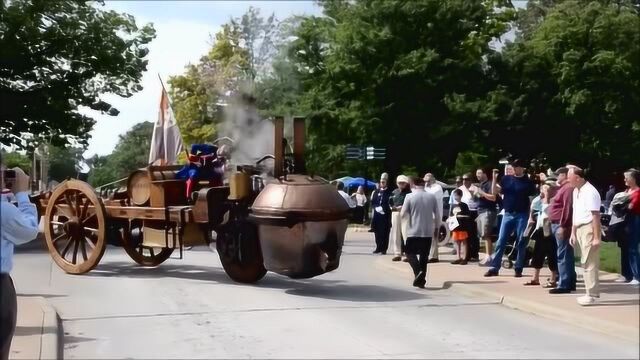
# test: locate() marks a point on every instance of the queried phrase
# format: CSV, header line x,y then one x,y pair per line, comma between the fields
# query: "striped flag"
x,y
166,142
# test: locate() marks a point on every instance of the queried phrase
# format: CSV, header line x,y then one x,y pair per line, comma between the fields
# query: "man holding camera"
x,y
18,225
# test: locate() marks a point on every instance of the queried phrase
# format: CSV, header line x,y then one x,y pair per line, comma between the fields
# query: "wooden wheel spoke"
x,y
67,199
64,210
83,250
63,254
76,244
88,217
58,237
91,229
151,252
85,209
91,244
79,204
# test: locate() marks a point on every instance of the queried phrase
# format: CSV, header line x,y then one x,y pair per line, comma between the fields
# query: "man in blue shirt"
x,y
18,225
516,190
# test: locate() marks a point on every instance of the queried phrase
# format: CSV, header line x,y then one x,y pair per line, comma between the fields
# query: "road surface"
x,y
190,309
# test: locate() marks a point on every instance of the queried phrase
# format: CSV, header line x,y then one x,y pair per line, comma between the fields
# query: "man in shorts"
x,y
487,214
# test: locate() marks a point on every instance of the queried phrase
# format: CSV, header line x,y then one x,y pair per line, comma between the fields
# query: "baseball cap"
x,y
402,179
561,170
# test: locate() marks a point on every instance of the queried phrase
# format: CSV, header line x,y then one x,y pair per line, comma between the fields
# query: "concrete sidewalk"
x,y
38,330
617,313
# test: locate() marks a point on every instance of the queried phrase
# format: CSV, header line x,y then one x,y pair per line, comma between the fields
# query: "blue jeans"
x,y
633,243
511,222
566,262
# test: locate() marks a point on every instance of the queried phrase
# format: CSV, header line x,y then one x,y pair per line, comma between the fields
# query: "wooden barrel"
x,y
139,187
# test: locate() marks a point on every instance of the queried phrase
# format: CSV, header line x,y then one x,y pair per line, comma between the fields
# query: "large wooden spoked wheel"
x,y
240,254
143,255
75,227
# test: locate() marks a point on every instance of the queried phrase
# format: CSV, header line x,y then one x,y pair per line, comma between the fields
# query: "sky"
x,y
183,32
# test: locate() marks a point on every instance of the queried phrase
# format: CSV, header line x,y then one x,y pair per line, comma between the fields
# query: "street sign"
x,y
376,153
365,153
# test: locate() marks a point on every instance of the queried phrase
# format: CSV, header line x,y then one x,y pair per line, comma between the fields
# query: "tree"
x,y
58,56
388,73
16,159
573,86
131,153
64,162
241,53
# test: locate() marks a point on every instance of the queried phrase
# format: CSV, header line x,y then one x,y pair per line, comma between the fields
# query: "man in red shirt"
x,y
560,215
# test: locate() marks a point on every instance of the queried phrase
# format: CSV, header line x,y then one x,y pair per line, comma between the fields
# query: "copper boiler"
x,y
301,219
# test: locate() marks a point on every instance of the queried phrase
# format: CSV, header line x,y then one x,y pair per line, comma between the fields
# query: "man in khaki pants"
x,y
586,231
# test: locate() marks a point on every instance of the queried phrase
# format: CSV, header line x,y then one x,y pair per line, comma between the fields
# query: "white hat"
x,y
402,179
384,176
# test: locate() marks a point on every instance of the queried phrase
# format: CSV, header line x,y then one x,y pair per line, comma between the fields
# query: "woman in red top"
x,y
632,180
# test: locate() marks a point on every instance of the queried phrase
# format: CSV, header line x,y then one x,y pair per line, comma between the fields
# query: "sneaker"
x,y
396,258
456,262
586,300
433,260
622,279
463,262
634,282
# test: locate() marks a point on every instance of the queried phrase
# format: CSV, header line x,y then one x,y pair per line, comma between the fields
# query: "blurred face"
x,y
360,190
518,171
629,181
481,175
466,181
429,179
574,180
508,170
458,181
383,183
562,178
544,191
457,197
402,185
542,176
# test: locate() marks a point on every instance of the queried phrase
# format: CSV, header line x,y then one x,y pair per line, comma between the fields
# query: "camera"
x,y
9,177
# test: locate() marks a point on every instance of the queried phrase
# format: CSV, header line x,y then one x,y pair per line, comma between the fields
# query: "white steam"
x,y
253,136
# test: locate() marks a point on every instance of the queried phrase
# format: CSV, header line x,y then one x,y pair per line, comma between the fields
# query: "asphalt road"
x,y
189,309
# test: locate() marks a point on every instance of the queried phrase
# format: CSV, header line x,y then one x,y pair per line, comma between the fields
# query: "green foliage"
x,y
63,162
58,56
571,86
15,159
469,162
131,153
381,72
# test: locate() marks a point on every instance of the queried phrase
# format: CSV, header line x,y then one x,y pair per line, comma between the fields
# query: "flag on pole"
x,y
166,141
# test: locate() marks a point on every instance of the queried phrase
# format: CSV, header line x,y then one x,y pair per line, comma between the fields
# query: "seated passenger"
x,y
204,164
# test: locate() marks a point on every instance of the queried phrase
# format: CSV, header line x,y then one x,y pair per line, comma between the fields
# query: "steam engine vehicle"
x,y
289,223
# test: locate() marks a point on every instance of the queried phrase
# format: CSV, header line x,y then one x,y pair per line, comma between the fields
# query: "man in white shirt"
x,y
345,196
432,186
586,231
419,209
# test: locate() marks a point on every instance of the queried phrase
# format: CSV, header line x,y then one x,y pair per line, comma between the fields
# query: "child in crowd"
x,y
460,233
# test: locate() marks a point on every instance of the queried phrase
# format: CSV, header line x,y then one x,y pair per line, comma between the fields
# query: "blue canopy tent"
x,y
355,182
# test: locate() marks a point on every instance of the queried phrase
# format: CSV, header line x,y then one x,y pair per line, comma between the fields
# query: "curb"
x,y
628,333
50,343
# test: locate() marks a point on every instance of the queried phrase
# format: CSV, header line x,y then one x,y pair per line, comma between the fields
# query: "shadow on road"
x,y
319,288
34,330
